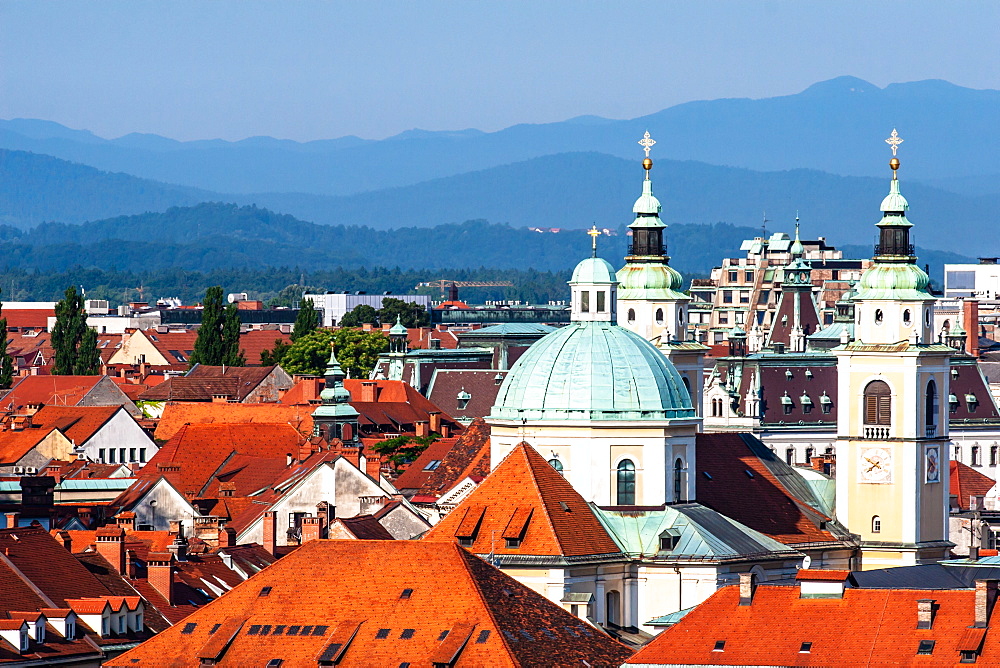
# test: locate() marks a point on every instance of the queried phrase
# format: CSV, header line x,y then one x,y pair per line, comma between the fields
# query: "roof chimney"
x,y
369,391
179,547
422,428
227,537
925,613
12,520
160,574
311,527
748,585
970,317
111,546
67,540
986,596
435,421
270,529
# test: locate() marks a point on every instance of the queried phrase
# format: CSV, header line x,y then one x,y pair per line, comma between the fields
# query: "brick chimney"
x,y
227,537
970,323
369,391
270,530
67,540
435,421
986,595
160,574
445,431
925,613
748,586
12,520
126,520
422,428
111,546
311,529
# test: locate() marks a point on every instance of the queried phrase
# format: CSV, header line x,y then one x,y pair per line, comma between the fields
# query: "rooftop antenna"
x,y
763,227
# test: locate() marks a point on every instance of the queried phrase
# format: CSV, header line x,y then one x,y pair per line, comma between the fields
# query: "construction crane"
x,y
453,286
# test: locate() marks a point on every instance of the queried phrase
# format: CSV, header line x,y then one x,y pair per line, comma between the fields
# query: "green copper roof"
x,y
649,280
334,396
592,371
902,281
647,204
594,270
398,328
894,202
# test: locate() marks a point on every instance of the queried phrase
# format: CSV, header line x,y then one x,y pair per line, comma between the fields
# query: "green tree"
x,y
6,360
231,353
307,319
404,449
358,351
276,354
359,315
88,360
208,347
308,355
71,323
411,314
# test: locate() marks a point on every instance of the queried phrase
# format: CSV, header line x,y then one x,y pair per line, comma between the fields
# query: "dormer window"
x,y
24,640
669,539
952,403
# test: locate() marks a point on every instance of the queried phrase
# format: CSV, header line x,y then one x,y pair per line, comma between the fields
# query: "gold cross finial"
x,y
894,141
594,233
646,143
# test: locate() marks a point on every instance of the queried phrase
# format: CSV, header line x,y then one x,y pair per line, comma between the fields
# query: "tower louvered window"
x,y
878,403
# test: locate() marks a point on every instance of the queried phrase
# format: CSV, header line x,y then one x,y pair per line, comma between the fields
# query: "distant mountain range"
x,y
560,191
836,126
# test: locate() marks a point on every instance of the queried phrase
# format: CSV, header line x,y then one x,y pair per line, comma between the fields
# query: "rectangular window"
x,y
993,455
925,647
790,456
717,337
744,297
142,455
723,318
827,407
100,455
788,408
131,454
976,457
601,306
734,276
764,294
585,301
111,455
727,296
749,276
121,451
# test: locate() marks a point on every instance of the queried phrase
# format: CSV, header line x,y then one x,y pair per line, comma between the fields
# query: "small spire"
x,y
798,250
647,143
594,233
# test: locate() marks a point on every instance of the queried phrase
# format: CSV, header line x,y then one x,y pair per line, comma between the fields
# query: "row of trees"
x,y
357,352
411,314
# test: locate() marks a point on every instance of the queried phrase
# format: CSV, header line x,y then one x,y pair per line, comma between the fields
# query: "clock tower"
x,y
892,426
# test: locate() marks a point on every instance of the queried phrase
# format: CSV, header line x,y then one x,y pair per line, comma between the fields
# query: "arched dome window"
x,y
679,481
659,316
876,524
626,483
878,403
631,315
557,465
931,408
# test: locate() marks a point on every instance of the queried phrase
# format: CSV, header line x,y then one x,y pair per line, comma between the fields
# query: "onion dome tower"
x,y
335,417
650,300
598,397
892,425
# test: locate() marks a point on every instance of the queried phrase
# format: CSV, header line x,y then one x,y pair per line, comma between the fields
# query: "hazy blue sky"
x,y
308,70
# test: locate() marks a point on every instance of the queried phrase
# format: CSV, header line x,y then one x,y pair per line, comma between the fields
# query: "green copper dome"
x,y
649,281
593,371
398,329
594,270
894,281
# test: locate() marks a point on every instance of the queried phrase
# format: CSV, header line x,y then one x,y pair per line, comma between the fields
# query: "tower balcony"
x,y
647,249
876,432
894,249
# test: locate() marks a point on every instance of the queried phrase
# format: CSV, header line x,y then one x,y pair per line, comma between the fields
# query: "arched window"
x,y
626,483
614,602
687,384
876,524
878,403
931,408
679,481
631,315
557,465
659,316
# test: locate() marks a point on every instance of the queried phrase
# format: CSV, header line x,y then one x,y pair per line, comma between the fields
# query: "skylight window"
x,y
265,591
407,634
925,647
805,648
720,646
382,634
432,465
483,636
406,593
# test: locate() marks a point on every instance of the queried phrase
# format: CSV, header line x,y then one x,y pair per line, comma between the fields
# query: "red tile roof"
x,y
256,341
48,566
356,609
763,502
178,413
420,469
469,457
28,317
966,482
363,527
55,390
867,627
202,383
822,574
524,497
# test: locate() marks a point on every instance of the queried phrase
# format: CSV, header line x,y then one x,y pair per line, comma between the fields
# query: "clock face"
x,y
876,465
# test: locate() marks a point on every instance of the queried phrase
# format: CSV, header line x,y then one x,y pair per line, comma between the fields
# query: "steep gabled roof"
x,y
469,457
48,565
256,341
49,390
178,413
380,603
741,478
525,498
362,527
204,382
967,481
422,467
77,423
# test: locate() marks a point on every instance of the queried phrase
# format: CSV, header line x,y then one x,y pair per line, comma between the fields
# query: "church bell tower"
x,y
892,426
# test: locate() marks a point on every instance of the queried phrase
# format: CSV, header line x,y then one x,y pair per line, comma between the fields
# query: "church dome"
x,y
593,371
594,270
893,281
649,281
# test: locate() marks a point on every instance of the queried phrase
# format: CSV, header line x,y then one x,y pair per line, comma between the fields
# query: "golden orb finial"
x,y
647,164
894,164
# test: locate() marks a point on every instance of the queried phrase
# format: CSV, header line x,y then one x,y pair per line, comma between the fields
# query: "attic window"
x,y
809,374
513,543
953,403
788,374
275,663
407,634
483,636
465,542
805,648
720,646
925,647
707,474
382,634
954,373
406,593
562,504
265,591
669,539
189,628
432,465
444,634
968,656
